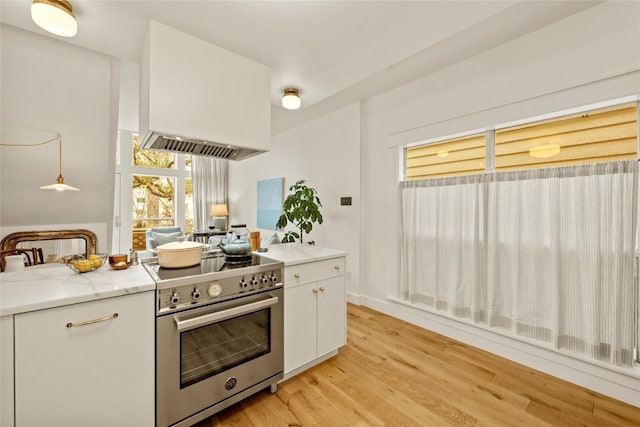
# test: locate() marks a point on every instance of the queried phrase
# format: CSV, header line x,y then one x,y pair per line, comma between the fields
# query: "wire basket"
x,y
82,264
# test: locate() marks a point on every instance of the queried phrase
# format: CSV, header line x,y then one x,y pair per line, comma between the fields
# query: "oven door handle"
x,y
181,325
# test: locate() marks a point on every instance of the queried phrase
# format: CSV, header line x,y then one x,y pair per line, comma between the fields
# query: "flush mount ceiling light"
x,y
291,99
55,16
543,151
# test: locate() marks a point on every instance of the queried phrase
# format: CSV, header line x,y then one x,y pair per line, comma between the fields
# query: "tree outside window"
x,y
154,196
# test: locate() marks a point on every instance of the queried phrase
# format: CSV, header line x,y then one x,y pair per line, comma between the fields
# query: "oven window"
x,y
211,349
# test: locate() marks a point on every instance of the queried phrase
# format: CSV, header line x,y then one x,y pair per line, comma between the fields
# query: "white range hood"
x,y
197,98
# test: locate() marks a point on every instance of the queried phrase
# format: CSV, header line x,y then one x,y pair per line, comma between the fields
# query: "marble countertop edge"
x,y
52,286
296,253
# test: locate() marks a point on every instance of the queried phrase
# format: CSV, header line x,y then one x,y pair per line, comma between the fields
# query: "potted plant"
x,y
302,209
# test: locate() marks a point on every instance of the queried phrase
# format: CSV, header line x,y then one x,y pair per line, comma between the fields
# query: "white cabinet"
x,y
6,371
70,371
314,313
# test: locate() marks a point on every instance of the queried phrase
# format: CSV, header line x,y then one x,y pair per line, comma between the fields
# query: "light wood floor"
x,y
392,373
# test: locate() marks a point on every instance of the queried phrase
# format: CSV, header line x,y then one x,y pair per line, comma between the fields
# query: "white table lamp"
x,y
219,213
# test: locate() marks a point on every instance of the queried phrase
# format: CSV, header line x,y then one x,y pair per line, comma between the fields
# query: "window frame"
x,y
490,131
125,170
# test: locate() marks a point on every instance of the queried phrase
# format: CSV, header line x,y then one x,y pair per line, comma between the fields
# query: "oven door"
x,y
211,353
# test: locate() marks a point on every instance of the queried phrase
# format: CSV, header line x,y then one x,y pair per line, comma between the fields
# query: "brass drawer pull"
x,y
337,267
90,322
321,289
315,291
297,276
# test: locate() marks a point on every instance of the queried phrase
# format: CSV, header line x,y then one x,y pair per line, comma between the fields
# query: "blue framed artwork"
x,y
270,199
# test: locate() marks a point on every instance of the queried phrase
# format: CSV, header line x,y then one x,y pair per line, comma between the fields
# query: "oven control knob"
x,y
254,281
243,283
274,278
174,298
214,290
264,280
195,294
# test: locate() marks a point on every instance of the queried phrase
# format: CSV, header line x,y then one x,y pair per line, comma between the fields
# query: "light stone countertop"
x,y
53,285
296,253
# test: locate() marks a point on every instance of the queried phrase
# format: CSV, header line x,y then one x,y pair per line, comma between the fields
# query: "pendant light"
x,y
60,185
55,16
291,99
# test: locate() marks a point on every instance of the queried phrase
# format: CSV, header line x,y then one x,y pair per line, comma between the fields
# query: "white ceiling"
x,y
335,52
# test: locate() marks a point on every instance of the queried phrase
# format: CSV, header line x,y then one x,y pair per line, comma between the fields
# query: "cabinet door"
x,y
299,325
6,371
100,374
332,315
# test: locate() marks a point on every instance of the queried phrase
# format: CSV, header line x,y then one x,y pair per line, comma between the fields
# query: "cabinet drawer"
x,y
313,271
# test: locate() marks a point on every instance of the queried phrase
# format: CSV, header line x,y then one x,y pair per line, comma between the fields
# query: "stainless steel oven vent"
x,y
196,147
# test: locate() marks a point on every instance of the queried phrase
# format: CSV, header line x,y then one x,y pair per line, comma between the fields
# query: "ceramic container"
x,y
14,263
179,254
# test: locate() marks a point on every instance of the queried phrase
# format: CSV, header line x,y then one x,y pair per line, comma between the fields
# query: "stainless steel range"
x,y
219,335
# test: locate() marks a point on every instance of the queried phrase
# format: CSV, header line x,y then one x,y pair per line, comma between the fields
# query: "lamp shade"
x,y
291,99
219,210
55,16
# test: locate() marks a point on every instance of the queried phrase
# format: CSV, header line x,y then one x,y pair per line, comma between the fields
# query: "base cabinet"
x,y
314,312
73,372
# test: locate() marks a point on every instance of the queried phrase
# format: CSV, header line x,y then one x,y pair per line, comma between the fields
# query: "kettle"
x,y
236,247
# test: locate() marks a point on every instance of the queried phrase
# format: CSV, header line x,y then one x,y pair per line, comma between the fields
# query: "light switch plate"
x,y
345,201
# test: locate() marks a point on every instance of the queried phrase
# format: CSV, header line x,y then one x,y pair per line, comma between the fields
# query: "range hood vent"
x,y
199,99
195,147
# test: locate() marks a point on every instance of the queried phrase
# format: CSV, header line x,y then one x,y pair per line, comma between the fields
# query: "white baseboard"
x,y
353,298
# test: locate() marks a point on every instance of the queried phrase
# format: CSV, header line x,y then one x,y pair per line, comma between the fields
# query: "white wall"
x,y
589,57
325,153
50,87
128,103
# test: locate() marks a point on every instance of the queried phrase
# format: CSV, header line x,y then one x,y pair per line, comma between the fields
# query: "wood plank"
x,y
444,174
393,373
599,135
455,168
568,124
587,153
565,162
446,157
452,145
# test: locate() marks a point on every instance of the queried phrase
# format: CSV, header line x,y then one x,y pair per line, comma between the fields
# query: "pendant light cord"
x,y
57,138
60,180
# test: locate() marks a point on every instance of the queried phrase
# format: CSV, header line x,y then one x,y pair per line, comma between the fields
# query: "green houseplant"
x,y
302,209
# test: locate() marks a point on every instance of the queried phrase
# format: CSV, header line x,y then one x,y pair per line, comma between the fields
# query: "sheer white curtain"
x,y
209,179
551,253
441,254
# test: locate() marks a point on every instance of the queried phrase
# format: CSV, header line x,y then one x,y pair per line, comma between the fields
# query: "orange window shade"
x,y
597,136
452,157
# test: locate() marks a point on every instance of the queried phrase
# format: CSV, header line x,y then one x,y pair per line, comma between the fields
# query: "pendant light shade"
x,y
291,99
55,16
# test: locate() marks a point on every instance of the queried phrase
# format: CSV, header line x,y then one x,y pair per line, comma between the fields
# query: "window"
x,y
153,188
591,137
451,157
587,137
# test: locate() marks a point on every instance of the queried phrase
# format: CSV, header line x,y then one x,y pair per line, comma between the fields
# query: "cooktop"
x,y
210,263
